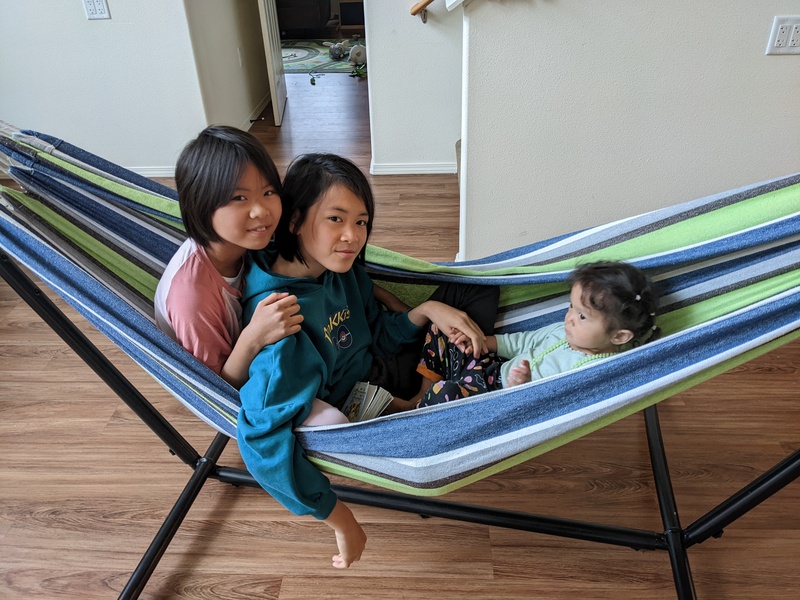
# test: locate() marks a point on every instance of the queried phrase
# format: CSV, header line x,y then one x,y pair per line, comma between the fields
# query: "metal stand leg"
x,y
206,466
673,534
714,521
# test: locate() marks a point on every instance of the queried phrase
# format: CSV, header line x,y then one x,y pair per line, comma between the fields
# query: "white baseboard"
x,y
374,168
255,114
412,168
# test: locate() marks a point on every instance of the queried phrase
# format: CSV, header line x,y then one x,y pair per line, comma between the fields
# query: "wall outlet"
x,y
96,9
794,37
785,36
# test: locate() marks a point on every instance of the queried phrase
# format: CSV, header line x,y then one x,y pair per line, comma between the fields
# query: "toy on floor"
x,y
337,50
358,55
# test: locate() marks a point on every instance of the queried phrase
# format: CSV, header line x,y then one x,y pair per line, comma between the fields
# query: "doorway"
x,y
340,19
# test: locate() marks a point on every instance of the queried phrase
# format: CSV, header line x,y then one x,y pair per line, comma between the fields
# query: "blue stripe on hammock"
x,y
56,173
29,159
723,246
720,269
586,240
104,165
487,416
121,224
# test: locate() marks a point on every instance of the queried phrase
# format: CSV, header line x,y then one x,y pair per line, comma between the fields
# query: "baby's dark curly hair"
x,y
623,293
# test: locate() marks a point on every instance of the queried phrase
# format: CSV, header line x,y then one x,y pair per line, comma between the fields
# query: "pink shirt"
x,y
198,307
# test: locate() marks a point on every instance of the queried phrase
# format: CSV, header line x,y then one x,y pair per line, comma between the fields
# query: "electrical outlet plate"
x,y
96,9
785,36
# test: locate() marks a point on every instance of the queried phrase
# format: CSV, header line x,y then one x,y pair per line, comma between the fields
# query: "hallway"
x,y
415,214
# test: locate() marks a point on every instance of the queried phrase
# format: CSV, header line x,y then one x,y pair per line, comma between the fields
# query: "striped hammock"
x,y
726,265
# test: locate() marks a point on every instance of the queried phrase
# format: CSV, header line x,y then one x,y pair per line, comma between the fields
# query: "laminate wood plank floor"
x,y
84,485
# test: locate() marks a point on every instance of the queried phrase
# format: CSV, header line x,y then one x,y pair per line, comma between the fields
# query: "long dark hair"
x,y
307,180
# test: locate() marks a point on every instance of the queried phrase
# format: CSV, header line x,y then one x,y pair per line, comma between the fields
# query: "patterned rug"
x,y
304,56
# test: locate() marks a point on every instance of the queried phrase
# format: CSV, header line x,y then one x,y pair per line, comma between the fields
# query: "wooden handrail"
x,y
420,6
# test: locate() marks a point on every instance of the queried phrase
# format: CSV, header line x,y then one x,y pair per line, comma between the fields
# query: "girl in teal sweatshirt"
x,y
345,336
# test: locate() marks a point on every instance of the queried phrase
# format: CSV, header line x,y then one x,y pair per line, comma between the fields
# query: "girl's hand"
x,y
520,374
275,317
461,341
452,323
398,405
464,343
350,537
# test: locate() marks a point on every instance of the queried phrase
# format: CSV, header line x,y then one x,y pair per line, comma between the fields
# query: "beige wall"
x,y
414,87
229,53
582,112
135,88
128,88
124,88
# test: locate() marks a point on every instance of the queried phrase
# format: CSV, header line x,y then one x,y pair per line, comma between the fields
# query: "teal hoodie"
x,y
343,328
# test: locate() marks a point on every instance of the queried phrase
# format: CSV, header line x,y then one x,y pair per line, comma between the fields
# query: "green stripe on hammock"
x,y
136,277
145,199
691,230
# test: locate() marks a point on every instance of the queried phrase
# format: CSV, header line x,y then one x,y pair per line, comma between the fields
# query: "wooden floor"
x,y
84,485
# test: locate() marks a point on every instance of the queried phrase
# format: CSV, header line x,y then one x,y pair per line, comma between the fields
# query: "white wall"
x,y
124,88
131,88
414,88
580,112
229,53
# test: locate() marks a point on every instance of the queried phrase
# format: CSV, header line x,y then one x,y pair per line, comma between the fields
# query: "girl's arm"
x,y
275,317
450,321
277,397
389,300
350,537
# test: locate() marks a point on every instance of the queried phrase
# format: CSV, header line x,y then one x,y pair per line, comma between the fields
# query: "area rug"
x,y
305,56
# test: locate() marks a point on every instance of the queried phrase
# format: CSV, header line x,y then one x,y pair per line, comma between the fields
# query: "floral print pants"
x,y
460,375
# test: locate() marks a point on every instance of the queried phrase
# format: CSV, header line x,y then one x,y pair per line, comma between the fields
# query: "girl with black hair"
x,y
345,337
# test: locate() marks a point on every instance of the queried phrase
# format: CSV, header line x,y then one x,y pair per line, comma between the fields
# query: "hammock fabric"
x,y
726,266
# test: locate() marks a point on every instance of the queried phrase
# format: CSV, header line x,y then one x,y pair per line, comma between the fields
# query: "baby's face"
x,y
586,328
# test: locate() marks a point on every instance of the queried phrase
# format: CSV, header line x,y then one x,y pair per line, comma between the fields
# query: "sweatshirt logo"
x,y
336,323
344,338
